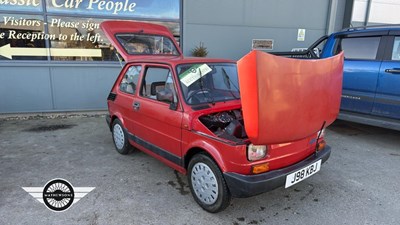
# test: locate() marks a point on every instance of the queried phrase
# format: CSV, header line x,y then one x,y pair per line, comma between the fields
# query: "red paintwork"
x,y
274,95
179,131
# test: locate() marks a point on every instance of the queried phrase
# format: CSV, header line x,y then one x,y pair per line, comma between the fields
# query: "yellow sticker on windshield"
x,y
194,73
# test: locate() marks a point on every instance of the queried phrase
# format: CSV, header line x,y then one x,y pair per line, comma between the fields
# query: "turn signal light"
x,y
260,168
321,145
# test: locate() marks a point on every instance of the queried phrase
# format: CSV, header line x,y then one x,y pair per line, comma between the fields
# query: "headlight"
x,y
256,152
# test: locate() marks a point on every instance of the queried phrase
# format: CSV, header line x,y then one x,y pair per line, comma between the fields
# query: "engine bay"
x,y
228,125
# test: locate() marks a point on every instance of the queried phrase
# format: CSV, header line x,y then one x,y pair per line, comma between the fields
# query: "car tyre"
x,y
207,184
120,138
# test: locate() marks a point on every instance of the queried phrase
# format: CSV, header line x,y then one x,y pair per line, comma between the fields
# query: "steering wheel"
x,y
195,92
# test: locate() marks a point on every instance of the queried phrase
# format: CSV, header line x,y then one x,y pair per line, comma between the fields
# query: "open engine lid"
x,y
135,40
284,99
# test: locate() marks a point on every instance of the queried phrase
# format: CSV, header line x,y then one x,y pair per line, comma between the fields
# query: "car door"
x,y
127,93
387,100
157,121
361,69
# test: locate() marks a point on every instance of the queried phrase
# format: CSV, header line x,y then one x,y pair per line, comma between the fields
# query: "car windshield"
x,y
208,82
145,44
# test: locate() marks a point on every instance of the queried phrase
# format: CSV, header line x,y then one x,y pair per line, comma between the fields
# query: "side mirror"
x,y
173,106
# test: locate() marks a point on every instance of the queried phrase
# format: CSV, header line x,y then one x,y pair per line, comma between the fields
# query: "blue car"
x,y
371,79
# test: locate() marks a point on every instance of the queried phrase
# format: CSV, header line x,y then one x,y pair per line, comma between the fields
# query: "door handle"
x,y
136,105
395,71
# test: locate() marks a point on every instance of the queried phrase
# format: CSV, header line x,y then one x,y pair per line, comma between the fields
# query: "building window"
x,y
375,12
22,37
82,37
161,9
71,30
21,5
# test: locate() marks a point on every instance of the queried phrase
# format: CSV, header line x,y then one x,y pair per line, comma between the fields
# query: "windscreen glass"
x,y
208,82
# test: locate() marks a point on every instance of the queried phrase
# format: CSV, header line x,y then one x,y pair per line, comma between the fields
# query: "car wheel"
x,y
207,184
120,138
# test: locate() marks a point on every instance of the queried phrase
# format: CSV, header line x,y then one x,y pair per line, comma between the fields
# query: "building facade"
x,y
55,58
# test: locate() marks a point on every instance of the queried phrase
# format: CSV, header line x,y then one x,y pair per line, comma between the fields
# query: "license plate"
x,y
302,174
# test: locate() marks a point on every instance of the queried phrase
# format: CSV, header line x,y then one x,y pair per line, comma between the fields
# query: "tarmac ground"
x,y
359,184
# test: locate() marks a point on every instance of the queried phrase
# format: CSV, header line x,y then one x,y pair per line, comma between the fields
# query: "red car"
x,y
191,114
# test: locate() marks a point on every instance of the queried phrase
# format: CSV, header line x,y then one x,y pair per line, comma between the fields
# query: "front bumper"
x,y
242,186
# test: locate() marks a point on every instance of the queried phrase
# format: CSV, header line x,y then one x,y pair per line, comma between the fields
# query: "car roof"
x,y
383,28
374,27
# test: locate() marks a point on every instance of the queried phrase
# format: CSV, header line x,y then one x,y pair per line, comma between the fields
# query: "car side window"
x,y
396,49
158,85
130,80
360,47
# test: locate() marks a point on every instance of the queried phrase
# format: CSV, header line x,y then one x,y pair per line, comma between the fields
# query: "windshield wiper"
x,y
202,90
226,77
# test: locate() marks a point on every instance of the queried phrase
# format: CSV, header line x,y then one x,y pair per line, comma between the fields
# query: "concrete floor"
x,y
359,184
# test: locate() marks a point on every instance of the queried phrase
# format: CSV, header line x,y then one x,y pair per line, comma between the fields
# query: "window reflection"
x,y
82,34
27,5
23,31
162,9
85,37
360,48
69,38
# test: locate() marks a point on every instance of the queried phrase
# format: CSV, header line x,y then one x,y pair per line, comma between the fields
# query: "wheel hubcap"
x,y
204,183
119,138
